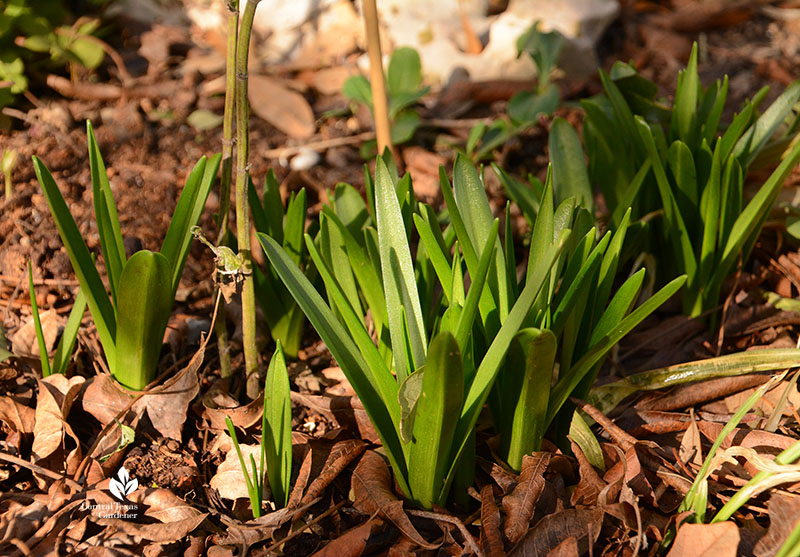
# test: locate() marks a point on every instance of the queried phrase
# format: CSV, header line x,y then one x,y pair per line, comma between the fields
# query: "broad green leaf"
x,y
710,213
276,427
581,434
711,124
525,107
404,74
82,263
681,164
472,203
37,325
66,344
187,214
273,207
543,47
438,408
608,269
357,88
735,130
377,391
143,308
570,178
530,360
333,251
105,212
438,258
404,126
399,283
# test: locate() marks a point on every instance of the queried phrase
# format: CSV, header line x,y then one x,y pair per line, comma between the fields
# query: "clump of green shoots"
x,y
276,440
132,320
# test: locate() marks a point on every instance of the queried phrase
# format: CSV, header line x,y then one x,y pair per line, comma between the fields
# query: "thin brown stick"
x,y
378,85
307,525
468,538
39,282
39,470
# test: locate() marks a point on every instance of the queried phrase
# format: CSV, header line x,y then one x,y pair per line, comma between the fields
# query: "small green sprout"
x,y
9,163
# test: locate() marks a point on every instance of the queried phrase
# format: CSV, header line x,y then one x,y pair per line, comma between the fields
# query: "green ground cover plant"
x,y
404,89
525,107
683,173
34,37
131,321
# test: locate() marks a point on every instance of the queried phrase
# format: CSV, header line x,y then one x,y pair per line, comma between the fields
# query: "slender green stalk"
x,y
377,83
221,328
242,204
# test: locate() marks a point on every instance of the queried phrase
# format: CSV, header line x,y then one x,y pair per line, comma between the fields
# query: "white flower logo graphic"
x,y
122,485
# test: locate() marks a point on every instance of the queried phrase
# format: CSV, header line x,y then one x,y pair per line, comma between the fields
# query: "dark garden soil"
x,y
58,438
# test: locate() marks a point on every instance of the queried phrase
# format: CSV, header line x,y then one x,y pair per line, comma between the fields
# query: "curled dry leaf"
x,y
491,537
784,514
285,109
160,532
339,457
54,401
706,540
519,505
163,505
361,540
229,480
21,518
372,489
591,484
16,415
218,403
25,342
581,524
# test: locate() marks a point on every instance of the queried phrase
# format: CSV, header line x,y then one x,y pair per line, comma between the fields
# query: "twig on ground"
x,y
39,470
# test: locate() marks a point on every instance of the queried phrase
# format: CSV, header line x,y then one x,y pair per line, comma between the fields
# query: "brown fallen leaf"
x,y
361,540
340,456
590,484
491,537
784,514
581,524
218,403
701,392
229,480
372,490
16,415
163,505
706,540
285,109
161,532
347,411
25,342
520,504
51,430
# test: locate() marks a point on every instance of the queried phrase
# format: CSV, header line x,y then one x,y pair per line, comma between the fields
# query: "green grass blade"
x,y
82,263
751,143
684,112
399,283
608,269
735,130
525,197
273,207
252,490
751,218
187,213
65,346
711,124
143,309
37,325
570,177
530,358
105,215
377,391
333,252
276,427
470,310
438,408
294,226
437,257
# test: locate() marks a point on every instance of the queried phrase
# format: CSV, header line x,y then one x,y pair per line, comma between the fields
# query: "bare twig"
x,y
39,470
